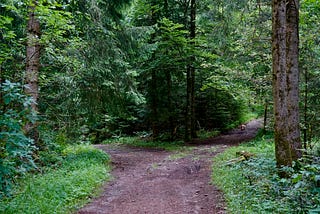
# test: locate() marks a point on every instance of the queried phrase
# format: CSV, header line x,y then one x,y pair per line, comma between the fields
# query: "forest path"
x,y
160,182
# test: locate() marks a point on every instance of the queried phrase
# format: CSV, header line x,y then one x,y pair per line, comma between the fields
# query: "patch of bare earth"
x,y
161,182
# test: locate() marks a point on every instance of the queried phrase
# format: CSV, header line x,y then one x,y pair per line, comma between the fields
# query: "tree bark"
x,y
292,34
190,131
1,91
285,53
279,52
305,107
154,85
32,67
166,8
187,136
193,71
154,106
265,118
170,106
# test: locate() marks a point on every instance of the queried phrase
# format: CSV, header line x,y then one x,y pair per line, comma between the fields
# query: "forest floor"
x,y
155,181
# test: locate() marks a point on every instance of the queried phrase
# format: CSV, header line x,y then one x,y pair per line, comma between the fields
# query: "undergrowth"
x,y
253,186
146,143
62,189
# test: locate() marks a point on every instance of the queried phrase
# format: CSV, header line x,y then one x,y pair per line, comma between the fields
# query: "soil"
x,y
161,182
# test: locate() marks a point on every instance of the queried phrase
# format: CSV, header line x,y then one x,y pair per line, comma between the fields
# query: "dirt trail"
x,y
161,182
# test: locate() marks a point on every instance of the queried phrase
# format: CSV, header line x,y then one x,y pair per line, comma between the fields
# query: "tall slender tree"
x,y
190,131
154,81
32,65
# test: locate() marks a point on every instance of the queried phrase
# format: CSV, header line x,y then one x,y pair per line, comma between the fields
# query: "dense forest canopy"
x,y
160,69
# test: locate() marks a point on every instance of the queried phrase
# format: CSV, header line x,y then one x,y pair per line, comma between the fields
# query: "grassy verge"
x,y
64,189
253,186
140,142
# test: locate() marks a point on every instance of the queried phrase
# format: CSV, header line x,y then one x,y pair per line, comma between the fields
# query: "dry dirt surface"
x,y
160,182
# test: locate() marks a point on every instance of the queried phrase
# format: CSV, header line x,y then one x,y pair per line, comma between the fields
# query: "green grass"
x,y
181,153
140,142
61,190
248,117
254,186
232,180
205,134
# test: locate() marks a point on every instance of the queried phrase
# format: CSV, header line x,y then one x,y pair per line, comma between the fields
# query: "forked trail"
x,y
161,182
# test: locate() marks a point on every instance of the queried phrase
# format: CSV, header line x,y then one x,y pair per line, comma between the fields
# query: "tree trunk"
x,y
292,35
192,68
170,106
154,85
154,106
187,136
193,102
305,106
190,131
1,91
265,118
285,67
32,67
279,52
166,8
169,86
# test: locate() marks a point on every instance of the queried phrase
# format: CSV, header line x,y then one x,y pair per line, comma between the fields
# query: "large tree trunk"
x,y
286,81
282,144
293,77
32,67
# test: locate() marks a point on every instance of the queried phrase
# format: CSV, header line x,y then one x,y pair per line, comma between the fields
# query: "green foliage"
x,y
220,109
146,143
103,90
63,189
204,134
11,42
6,34
235,79
253,186
53,142
15,148
163,76
56,23
309,63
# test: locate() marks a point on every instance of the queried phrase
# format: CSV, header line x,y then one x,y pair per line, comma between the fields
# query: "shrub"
x,y
253,185
15,148
62,189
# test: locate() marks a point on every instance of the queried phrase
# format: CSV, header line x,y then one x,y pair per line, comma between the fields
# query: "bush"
x,y
253,185
15,148
63,189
